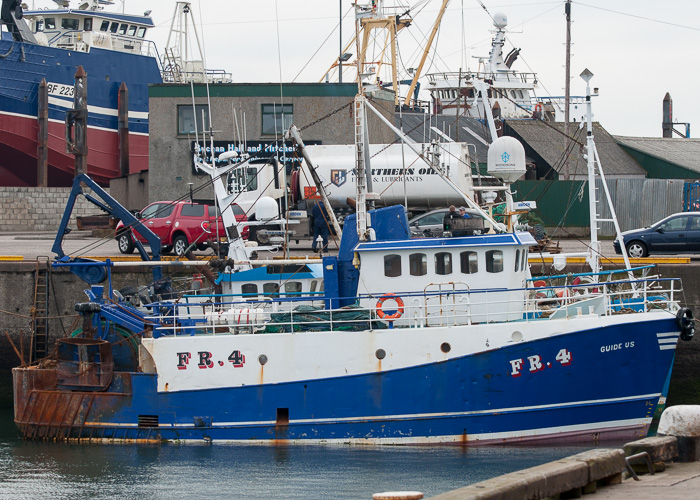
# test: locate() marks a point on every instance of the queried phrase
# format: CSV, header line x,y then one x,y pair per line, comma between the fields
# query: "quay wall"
x,y
65,289
39,209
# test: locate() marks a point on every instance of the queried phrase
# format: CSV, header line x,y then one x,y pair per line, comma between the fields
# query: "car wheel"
x,y
166,249
125,243
637,249
180,244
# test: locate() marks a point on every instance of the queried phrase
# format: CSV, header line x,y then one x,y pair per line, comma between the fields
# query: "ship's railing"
x,y
440,304
510,76
82,41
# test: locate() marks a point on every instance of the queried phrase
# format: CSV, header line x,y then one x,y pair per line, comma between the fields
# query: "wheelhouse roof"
x,y
486,240
138,20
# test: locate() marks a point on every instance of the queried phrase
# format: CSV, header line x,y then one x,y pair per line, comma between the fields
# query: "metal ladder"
x,y
40,320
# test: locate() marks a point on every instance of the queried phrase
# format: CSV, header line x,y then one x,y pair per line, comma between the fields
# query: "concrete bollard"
x,y
398,495
683,422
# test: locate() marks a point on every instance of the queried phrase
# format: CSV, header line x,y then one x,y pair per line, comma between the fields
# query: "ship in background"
x,y
51,45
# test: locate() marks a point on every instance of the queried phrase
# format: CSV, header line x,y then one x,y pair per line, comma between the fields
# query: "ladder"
x,y
360,164
40,320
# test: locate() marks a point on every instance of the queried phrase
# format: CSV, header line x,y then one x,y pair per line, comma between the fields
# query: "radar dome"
x,y
500,20
266,208
506,159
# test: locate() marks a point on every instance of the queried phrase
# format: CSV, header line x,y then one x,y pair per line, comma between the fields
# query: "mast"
x,y
567,87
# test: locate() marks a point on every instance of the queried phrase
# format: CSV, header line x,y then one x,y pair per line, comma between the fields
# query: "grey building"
x,y
256,113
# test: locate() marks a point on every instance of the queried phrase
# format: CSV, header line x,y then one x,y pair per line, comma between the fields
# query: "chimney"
x,y
667,122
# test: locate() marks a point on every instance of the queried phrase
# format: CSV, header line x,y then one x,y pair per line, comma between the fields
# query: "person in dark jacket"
x,y
321,223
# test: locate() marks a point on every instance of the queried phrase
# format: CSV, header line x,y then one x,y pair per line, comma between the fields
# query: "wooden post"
x,y
76,123
42,136
123,113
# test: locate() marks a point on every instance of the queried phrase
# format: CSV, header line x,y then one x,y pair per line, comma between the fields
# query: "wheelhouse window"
x,y
392,265
443,263
418,264
271,290
517,260
132,30
87,24
524,263
249,290
123,28
468,262
276,118
39,25
292,288
104,26
114,28
186,118
50,23
494,261
70,24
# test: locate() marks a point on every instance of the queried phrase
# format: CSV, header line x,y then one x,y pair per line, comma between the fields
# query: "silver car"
x,y
430,224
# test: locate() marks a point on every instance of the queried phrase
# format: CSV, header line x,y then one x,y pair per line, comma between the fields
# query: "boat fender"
x,y
88,307
686,322
395,315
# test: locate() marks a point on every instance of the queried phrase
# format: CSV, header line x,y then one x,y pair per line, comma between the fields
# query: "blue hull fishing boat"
x,y
405,341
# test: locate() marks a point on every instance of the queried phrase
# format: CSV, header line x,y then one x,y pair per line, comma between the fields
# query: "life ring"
x,y
686,322
537,114
389,317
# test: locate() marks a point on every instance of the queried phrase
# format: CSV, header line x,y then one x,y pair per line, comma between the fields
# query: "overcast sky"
x,y
638,50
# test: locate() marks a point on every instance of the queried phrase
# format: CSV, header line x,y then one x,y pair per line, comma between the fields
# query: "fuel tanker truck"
x,y
398,176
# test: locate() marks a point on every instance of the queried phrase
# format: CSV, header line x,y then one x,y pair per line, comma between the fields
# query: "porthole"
x,y
262,359
445,347
381,354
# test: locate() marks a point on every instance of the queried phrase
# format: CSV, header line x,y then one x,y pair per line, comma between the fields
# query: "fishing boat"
x,y
513,93
50,45
412,341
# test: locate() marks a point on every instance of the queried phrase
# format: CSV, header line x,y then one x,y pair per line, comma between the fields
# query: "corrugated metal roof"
x,y
547,141
682,152
422,127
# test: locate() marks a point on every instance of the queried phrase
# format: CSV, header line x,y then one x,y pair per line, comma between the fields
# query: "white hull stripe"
x,y
668,340
471,438
63,103
33,118
416,416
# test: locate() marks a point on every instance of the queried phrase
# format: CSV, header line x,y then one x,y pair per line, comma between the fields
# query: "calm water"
x,y
31,470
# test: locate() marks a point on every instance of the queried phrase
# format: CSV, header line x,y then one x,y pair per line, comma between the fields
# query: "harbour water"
x,y
37,470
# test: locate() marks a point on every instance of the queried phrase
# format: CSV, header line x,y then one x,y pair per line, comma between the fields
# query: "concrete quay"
x,y
600,471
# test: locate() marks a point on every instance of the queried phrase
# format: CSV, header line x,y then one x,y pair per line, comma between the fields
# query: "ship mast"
x,y
567,88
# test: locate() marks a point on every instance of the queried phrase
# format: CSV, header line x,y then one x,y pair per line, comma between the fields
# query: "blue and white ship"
x,y
413,341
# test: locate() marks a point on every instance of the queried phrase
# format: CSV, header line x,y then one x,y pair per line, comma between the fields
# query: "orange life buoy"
x,y
399,303
538,107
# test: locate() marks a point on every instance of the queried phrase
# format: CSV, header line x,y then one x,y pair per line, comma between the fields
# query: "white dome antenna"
x,y
500,20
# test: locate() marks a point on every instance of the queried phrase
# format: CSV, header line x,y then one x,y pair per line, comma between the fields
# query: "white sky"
x,y
637,53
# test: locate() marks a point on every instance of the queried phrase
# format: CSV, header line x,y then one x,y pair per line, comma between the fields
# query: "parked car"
x,y
677,233
430,224
178,224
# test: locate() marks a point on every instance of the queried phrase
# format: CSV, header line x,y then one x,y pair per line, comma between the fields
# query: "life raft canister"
x,y
395,315
686,322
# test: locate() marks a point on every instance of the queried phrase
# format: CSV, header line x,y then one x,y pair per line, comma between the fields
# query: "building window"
x,y
494,261
276,118
392,265
418,264
468,263
443,263
186,118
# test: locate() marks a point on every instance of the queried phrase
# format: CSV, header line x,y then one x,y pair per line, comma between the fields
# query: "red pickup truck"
x,y
178,224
